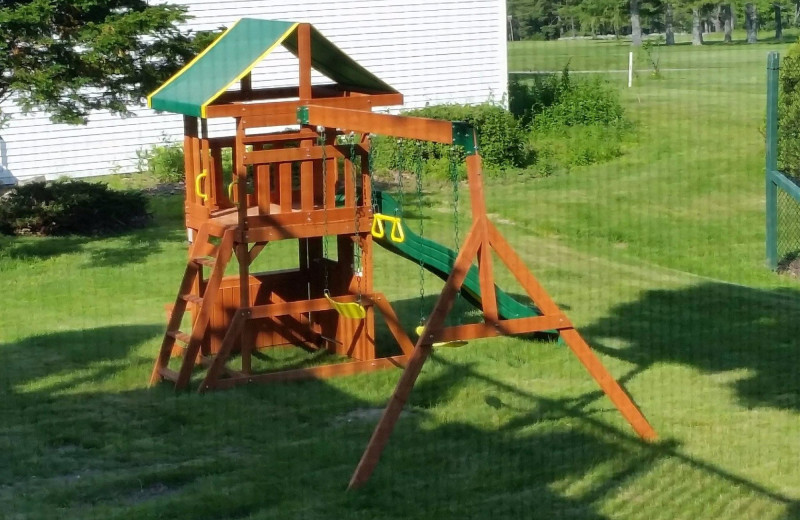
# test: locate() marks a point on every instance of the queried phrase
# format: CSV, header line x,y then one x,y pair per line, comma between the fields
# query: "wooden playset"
x,y
305,183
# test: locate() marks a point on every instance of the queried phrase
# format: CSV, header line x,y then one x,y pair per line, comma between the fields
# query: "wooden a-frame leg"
x,y
393,323
572,338
608,384
421,352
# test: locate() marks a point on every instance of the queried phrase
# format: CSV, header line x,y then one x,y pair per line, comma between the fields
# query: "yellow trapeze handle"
x,y
379,231
230,189
197,185
348,310
448,344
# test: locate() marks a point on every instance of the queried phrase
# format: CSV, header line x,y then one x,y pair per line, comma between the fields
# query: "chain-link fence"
x,y
788,233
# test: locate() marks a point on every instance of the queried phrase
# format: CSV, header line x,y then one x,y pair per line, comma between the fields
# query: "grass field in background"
x,y
658,258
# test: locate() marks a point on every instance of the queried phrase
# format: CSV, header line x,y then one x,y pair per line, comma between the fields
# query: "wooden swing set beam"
x,y
406,127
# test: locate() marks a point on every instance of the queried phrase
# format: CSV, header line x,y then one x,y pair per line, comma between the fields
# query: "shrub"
x,y
526,98
164,162
71,207
577,145
501,141
789,113
557,100
586,102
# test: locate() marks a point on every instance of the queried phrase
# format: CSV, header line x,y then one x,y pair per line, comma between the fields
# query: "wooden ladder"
x,y
203,253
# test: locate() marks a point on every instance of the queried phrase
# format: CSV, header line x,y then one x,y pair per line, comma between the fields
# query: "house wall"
x,y
433,52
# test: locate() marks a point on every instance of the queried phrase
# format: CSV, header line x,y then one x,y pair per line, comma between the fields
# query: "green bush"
x,y
585,102
501,141
789,113
573,146
69,207
164,162
558,100
526,98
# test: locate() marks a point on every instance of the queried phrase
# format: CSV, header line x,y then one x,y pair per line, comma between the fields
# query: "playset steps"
x,y
180,336
203,254
205,261
192,298
169,375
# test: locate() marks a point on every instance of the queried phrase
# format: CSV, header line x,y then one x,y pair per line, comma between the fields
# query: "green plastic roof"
x,y
240,48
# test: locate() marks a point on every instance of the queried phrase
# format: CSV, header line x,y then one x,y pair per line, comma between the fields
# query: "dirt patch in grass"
x,y
365,415
167,188
150,492
790,265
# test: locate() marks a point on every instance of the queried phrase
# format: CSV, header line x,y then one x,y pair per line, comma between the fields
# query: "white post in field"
x,y
630,69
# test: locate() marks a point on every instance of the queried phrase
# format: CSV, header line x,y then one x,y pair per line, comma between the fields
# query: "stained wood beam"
x,y
421,128
252,111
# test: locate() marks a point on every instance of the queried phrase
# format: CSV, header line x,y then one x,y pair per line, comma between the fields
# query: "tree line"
x,y
552,19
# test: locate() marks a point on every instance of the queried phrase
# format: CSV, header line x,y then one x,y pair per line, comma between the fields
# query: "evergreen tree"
x,y
70,57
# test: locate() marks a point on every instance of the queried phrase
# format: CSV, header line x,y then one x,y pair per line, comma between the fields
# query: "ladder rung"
x,y
202,260
168,374
192,298
180,336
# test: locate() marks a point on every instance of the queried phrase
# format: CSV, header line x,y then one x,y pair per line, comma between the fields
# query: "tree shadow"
x,y
716,328
35,248
135,248
74,356
129,248
138,453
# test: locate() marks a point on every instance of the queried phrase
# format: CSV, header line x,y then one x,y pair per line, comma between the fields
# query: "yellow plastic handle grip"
x,y
397,231
230,189
198,184
378,230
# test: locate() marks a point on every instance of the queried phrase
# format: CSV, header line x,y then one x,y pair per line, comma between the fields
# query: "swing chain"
x,y
400,167
322,141
370,173
357,267
418,173
454,179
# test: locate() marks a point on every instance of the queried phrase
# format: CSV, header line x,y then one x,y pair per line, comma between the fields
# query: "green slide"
x,y
439,259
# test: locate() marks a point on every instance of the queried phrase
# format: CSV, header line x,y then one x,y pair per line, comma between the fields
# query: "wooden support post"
x,y
304,55
207,185
478,206
189,164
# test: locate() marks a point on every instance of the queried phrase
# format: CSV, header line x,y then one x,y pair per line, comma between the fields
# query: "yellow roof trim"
x,y
247,71
188,65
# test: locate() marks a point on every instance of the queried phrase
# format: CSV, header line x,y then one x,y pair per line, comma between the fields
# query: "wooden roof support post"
x,y
189,164
246,83
304,54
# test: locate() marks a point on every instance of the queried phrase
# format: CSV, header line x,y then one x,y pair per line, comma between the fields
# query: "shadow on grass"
x,y
716,328
110,251
116,250
72,357
153,454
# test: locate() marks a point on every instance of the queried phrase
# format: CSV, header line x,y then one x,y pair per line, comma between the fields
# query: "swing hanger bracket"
x,y
464,136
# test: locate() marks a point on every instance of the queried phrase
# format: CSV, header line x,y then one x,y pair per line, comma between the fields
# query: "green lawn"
x,y
657,257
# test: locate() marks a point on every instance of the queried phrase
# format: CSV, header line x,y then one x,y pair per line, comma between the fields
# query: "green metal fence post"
x,y
773,68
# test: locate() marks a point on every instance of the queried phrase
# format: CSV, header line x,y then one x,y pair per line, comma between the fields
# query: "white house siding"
x,y
432,52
